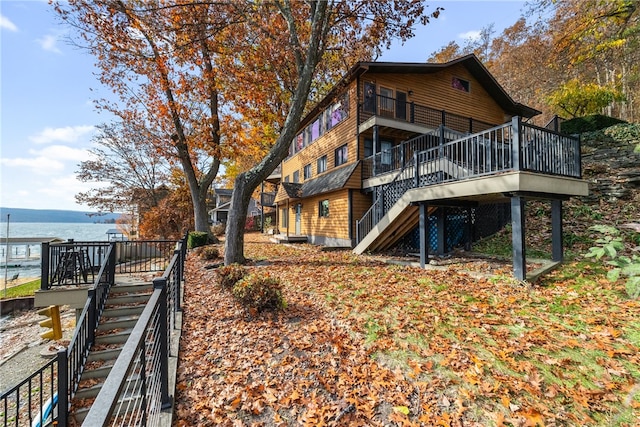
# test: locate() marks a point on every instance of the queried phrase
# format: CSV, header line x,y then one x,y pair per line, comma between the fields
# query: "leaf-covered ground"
x,y
362,342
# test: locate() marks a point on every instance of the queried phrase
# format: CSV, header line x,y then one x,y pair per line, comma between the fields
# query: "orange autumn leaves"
x,y
365,343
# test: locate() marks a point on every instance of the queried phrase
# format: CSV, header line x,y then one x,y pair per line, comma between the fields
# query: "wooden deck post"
x,y
424,235
517,237
556,231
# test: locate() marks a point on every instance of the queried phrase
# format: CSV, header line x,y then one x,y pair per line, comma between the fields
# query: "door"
x,y
298,218
370,97
386,155
401,105
386,102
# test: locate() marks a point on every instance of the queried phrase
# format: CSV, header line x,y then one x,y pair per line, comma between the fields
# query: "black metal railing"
x,y
136,390
513,146
75,263
411,112
32,400
48,391
397,157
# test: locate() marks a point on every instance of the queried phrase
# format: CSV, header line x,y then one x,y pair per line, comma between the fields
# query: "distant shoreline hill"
x,y
53,215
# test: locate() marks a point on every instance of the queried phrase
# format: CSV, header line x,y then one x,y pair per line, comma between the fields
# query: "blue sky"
x,y
47,87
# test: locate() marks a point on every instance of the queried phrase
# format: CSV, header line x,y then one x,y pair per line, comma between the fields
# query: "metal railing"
x,y
64,372
75,263
418,114
32,400
512,146
136,390
397,157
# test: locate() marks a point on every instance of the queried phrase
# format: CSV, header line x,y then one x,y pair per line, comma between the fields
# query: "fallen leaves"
x,y
365,343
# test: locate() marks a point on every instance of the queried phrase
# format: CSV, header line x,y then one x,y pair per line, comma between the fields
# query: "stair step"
x,y
127,299
114,338
109,354
132,287
129,403
88,392
118,323
123,311
101,372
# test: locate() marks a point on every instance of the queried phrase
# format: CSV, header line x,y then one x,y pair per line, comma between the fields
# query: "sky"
x,y
47,88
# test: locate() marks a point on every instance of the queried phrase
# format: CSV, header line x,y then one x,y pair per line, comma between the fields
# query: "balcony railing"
x,y
411,112
514,146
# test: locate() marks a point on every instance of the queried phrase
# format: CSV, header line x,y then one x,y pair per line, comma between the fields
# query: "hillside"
x,y
611,165
53,215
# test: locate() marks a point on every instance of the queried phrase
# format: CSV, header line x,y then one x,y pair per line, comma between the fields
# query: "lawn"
x,y
362,342
23,290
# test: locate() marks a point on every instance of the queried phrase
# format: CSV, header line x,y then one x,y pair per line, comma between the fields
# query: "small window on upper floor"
x,y
286,178
307,171
460,84
341,155
322,164
296,176
323,208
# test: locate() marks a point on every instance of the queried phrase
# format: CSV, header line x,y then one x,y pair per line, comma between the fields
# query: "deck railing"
x,y
136,390
75,263
411,112
513,146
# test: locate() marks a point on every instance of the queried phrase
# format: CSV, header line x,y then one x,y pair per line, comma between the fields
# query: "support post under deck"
x,y
517,237
556,231
424,235
442,230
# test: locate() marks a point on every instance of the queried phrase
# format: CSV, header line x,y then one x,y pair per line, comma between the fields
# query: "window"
x,y
368,148
322,164
327,119
460,84
296,176
307,171
386,101
286,178
341,155
284,218
323,208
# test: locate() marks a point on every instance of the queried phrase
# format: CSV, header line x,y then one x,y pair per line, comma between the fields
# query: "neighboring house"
x,y
390,146
221,201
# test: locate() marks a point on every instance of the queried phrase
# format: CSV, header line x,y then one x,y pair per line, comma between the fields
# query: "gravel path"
x,y
21,346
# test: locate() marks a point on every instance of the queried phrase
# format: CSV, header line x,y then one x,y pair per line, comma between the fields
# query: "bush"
x,y
228,275
197,238
209,252
259,292
590,123
218,229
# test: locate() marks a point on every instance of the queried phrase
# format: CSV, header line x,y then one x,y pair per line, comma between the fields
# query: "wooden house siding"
x,y
435,91
343,133
336,225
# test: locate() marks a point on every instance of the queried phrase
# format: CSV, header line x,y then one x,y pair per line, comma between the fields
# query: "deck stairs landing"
x,y
126,301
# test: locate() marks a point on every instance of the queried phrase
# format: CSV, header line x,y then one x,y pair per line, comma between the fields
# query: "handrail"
x,y
136,390
411,112
512,146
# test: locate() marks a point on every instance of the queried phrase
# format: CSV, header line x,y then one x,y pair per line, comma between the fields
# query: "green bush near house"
x,y
590,123
197,238
228,275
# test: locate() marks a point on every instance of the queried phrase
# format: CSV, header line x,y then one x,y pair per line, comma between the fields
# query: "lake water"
x,y
77,231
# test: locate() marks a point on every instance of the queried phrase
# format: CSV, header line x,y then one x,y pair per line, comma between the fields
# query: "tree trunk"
x,y
234,243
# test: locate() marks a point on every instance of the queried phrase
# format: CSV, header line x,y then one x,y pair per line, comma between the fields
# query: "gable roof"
x,y
330,181
471,62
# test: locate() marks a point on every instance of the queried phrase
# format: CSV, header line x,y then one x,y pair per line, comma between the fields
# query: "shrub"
x,y
590,123
197,238
259,292
209,252
250,224
228,275
218,229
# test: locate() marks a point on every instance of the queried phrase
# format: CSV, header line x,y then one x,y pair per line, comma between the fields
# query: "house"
x,y
220,199
396,147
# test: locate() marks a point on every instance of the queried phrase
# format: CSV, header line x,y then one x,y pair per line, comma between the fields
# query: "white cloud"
x,y
61,152
39,165
65,134
49,43
6,24
470,35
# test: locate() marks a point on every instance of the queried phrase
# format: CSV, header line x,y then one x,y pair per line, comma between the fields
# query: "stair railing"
x,y
137,388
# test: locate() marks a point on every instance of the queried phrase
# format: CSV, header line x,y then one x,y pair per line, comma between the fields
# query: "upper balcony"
x,y
411,117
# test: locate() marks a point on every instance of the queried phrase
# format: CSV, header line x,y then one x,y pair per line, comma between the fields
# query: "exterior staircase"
x,y
125,303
